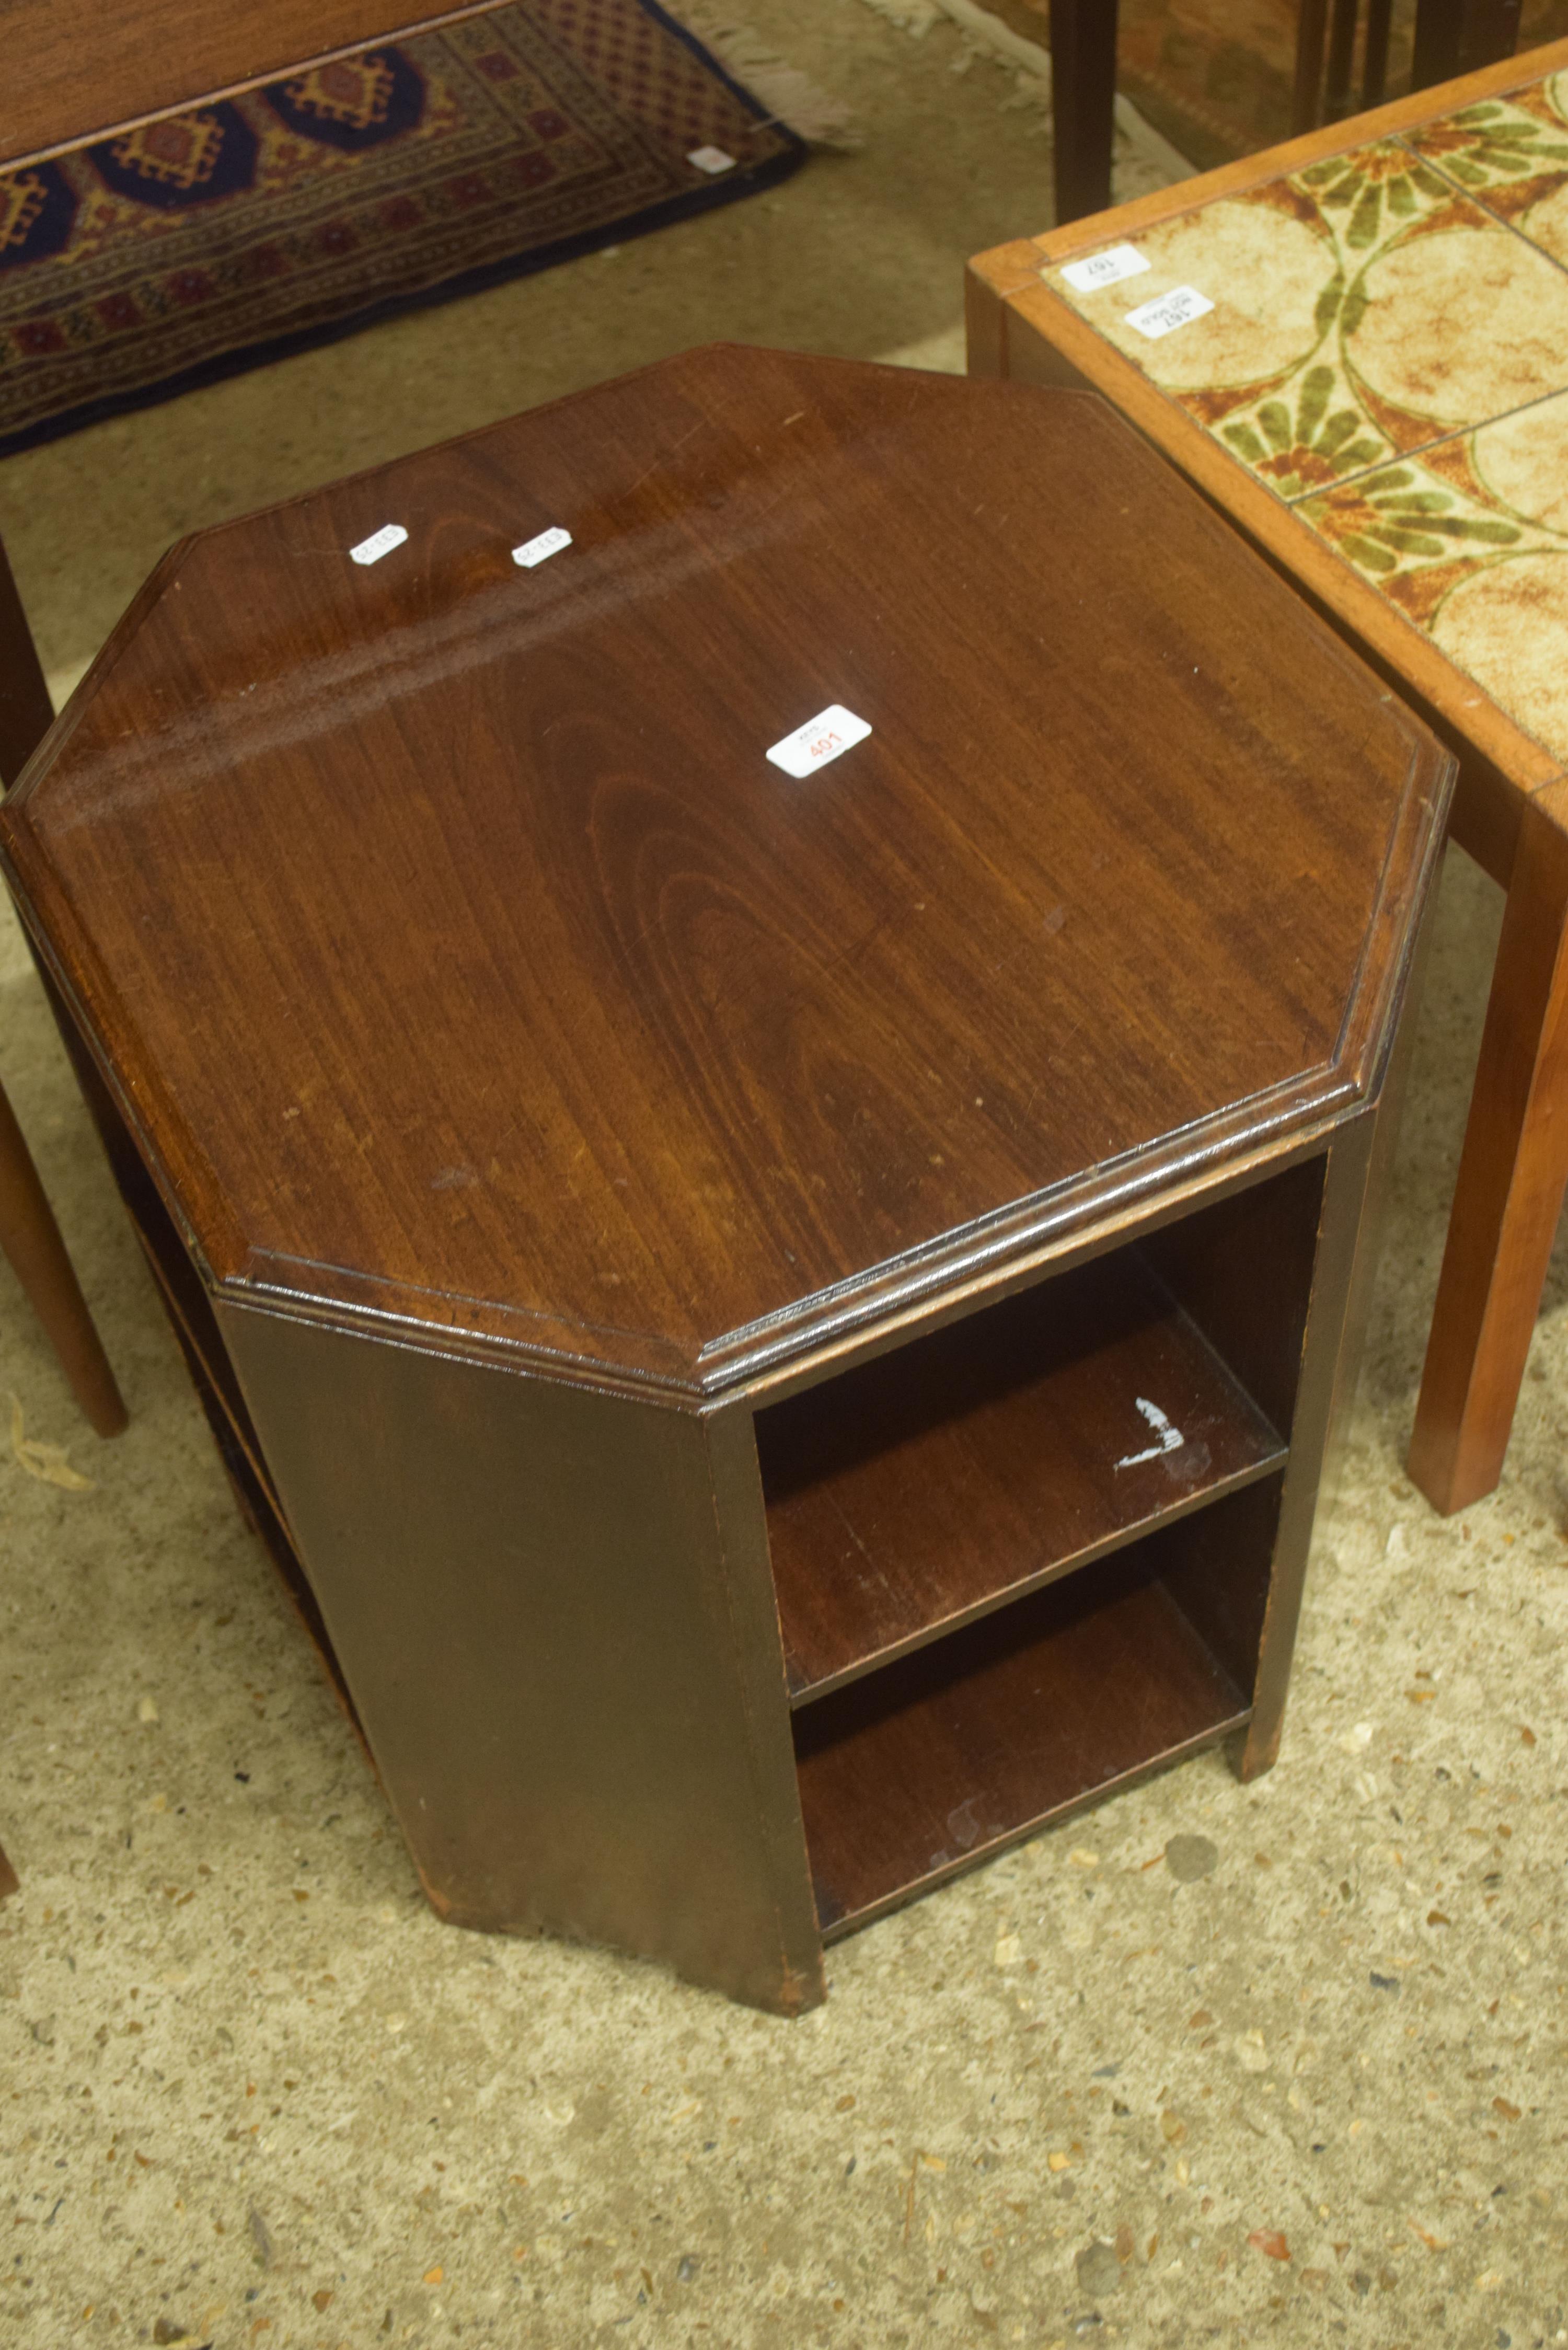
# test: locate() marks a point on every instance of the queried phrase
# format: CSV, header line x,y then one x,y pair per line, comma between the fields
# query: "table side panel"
x,y
1329,1347
528,1588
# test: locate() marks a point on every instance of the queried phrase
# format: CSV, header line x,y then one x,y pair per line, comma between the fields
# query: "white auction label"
x,y
711,160
1168,311
1104,268
539,549
832,732
380,542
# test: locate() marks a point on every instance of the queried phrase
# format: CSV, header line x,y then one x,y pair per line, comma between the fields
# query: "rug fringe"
x,y
789,95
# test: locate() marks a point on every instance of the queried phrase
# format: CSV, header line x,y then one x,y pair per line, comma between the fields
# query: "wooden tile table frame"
x,y
1510,810
783,1327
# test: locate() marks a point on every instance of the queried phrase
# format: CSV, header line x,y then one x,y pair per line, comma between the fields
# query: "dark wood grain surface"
x,y
71,71
465,958
939,1479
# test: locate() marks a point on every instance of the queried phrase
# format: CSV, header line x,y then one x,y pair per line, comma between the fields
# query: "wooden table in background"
x,y
1379,397
1452,36
783,1327
76,71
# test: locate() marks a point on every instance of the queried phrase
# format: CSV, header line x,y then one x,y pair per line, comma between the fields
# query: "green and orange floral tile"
x,y
1511,155
1382,341
1471,542
1362,309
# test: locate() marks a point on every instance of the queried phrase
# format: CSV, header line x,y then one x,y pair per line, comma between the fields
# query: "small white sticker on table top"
x,y
711,158
827,736
380,542
1104,268
1168,311
540,549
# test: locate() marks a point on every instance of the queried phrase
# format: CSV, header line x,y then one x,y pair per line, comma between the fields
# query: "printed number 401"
x,y
827,736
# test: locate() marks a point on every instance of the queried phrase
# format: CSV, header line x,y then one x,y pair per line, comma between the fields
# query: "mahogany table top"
x,y
464,962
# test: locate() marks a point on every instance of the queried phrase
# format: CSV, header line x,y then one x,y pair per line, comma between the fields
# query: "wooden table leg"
x,y
25,710
1374,58
1312,31
1512,1172
1338,102
30,1238
1083,103
1458,37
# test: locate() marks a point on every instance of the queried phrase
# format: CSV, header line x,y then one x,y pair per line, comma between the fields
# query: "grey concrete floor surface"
x,y
1210,2063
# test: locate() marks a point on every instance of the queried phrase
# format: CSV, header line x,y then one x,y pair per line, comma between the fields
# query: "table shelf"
x,y
912,1773
925,1488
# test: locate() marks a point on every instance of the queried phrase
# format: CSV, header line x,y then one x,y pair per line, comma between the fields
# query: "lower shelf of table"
x,y
933,1764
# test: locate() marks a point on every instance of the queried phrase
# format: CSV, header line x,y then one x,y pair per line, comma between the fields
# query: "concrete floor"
x,y
1211,2064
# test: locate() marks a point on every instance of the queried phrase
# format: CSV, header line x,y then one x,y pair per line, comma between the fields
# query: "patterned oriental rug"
x,y
208,243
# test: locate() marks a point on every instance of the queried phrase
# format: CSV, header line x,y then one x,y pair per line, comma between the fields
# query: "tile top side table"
x,y
1358,346
745,1021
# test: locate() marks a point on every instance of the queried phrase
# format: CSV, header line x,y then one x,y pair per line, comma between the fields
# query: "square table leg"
x,y
1512,1173
31,1242
1083,103
27,713
29,1236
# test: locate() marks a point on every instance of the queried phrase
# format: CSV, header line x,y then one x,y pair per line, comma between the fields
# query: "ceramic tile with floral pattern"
x,y
1511,155
1470,541
1383,339
1361,308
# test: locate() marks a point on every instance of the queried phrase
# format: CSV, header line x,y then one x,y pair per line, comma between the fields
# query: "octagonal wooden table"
x,y
745,1021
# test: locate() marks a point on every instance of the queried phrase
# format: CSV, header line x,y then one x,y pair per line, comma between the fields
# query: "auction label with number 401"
x,y
827,736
